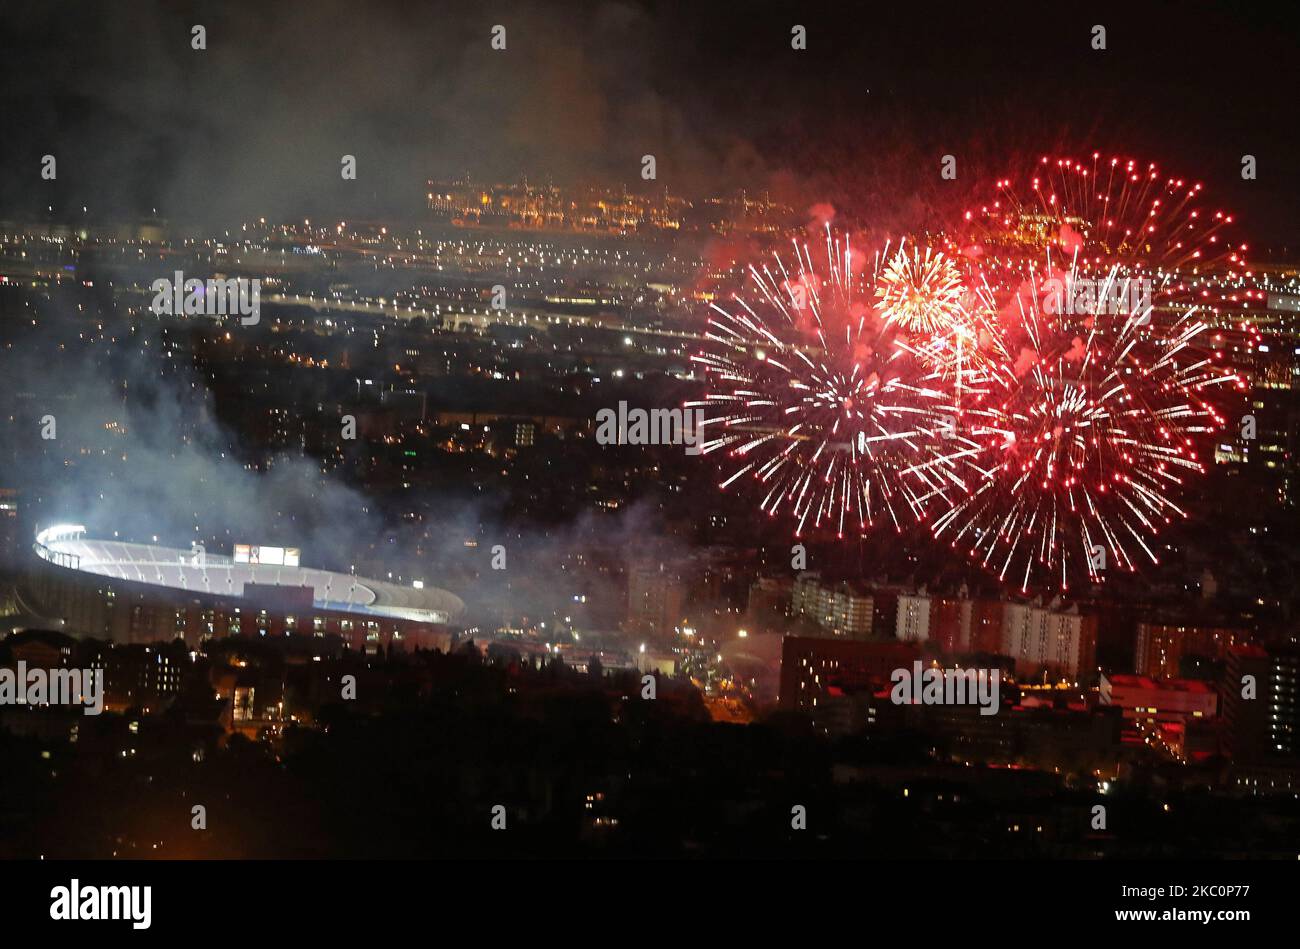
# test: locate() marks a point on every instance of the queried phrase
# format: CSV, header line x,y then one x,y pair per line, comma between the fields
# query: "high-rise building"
x,y
1049,639
769,599
986,626
1261,706
951,618
656,594
942,621
913,618
841,609
1268,450
1162,646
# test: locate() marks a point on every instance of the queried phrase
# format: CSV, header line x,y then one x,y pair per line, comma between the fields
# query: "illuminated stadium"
x,y
195,594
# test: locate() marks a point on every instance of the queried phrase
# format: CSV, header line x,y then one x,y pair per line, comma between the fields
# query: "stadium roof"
x,y
67,546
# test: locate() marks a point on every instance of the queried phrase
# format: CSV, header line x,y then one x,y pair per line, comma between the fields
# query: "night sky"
x,y
256,124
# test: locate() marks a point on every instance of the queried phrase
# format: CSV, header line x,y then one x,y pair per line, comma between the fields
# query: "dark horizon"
x,y
256,124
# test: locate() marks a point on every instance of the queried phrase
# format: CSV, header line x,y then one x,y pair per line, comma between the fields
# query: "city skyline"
x,y
626,430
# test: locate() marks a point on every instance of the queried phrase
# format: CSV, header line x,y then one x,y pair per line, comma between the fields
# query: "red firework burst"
x,y
819,398
1104,285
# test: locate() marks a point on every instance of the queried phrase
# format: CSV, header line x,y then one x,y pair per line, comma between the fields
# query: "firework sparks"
x,y
1037,394
921,292
1094,440
818,400
1103,394
1112,215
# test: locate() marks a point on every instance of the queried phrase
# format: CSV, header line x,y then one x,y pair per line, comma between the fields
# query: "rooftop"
x,y
177,569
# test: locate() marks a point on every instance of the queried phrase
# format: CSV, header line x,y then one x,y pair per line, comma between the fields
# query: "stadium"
x,y
128,592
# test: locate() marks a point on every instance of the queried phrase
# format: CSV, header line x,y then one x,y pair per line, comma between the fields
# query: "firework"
x,y
922,292
1100,217
816,398
1104,289
1088,448
941,321
1036,389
